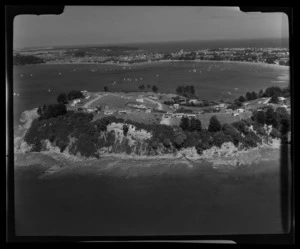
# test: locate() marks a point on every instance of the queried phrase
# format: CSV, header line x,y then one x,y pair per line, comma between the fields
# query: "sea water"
x,y
212,80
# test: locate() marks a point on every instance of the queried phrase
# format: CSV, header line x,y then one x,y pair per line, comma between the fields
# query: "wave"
x,y
26,119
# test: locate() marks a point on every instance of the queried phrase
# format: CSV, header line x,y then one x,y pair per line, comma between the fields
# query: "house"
x,y
178,115
194,101
75,101
281,98
140,100
89,110
176,106
235,114
148,110
240,110
122,111
108,112
167,115
228,111
191,115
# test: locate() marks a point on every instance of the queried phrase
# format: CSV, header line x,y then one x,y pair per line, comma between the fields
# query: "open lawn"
x,y
222,117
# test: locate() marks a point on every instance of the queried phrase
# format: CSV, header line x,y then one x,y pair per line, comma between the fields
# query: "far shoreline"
x,y
163,61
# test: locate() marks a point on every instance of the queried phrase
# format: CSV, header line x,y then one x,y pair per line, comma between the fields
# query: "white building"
x,y
176,106
140,100
194,101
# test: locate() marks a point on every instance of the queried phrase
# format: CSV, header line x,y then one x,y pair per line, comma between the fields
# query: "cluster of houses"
x,y
178,115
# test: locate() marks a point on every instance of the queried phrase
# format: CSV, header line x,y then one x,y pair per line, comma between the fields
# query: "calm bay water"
x,y
212,80
180,201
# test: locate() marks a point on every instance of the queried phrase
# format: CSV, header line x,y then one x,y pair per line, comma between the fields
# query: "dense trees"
x,y
26,59
49,111
214,124
141,87
272,117
125,130
242,99
184,123
191,125
195,125
187,91
75,95
270,91
155,89
259,117
274,99
62,98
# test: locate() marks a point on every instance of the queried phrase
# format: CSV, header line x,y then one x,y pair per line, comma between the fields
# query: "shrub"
x,y
272,118
274,99
270,91
185,123
195,125
75,95
242,99
241,126
231,131
220,138
275,133
154,145
179,139
214,124
250,140
259,117
62,98
167,142
125,130
49,111
191,140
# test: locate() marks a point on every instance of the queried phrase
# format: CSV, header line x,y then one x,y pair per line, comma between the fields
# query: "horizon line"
x,y
145,42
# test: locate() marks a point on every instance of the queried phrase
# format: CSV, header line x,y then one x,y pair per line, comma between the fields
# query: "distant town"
x,y
127,55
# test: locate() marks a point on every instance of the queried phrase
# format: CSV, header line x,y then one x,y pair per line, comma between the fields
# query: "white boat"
x,y
15,94
194,70
21,75
49,90
31,75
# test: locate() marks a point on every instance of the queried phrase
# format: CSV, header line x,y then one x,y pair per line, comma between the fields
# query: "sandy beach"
x,y
169,61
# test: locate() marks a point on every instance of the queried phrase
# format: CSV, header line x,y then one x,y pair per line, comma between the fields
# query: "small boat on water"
x,y
49,90
31,74
21,75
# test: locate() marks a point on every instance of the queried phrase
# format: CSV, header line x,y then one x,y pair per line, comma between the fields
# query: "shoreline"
x,y
163,61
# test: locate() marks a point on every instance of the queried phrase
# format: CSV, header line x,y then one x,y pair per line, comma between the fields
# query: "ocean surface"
x,y
41,84
136,198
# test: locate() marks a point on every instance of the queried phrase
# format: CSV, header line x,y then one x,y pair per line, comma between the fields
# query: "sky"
x,y
80,25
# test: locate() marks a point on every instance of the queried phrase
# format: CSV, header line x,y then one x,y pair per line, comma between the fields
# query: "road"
x,y
160,107
87,104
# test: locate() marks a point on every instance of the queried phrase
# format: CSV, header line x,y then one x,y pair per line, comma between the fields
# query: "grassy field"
x,y
222,117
